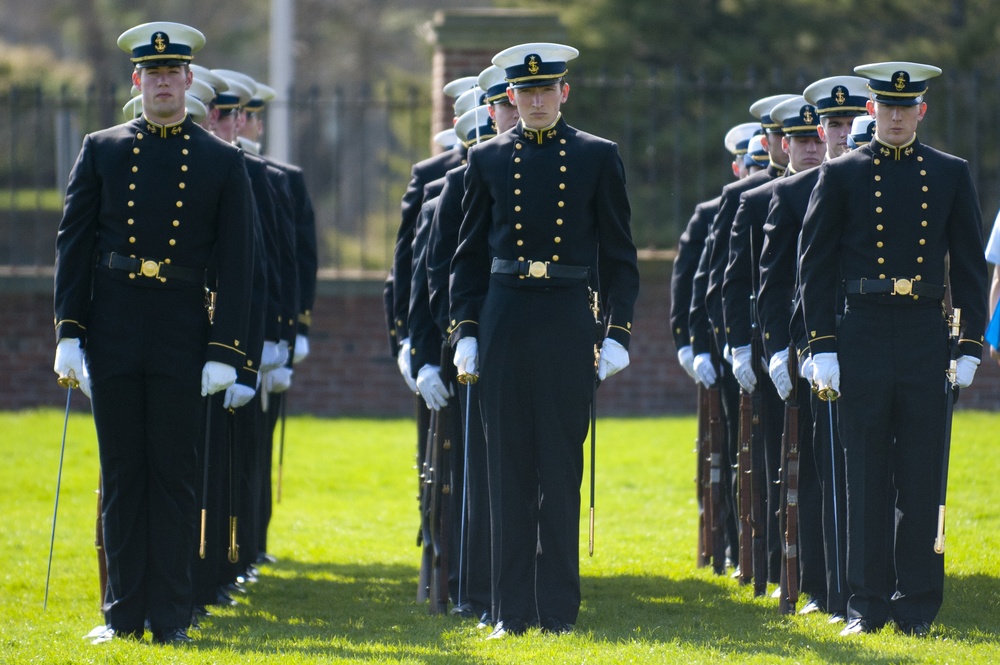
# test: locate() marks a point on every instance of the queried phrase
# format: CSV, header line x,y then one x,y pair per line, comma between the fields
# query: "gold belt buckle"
x,y
538,269
150,269
901,286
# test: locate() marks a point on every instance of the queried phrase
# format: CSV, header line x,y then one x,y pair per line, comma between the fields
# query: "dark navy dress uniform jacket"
x,y
163,194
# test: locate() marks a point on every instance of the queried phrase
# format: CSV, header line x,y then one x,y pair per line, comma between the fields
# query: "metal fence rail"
x,y
356,146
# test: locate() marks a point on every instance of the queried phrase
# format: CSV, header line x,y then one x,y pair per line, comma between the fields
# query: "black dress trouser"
x,y
892,365
145,351
536,351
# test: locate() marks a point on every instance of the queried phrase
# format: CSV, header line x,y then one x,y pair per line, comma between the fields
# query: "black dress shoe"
x,y
915,628
485,620
222,597
856,626
173,636
201,610
555,626
837,617
102,634
814,605
465,610
235,587
264,558
509,626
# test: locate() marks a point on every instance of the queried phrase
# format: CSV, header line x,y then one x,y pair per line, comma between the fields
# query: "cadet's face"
x,y
739,168
226,126
774,150
253,127
539,106
804,152
835,132
896,125
504,114
163,92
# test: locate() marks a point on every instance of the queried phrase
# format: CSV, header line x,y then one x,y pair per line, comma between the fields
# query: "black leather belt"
x,y
151,268
896,286
538,269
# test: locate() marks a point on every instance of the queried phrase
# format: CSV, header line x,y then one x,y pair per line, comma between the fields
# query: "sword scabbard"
x,y
234,548
939,539
201,546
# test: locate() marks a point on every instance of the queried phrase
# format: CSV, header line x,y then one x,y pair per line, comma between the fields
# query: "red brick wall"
x,y
350,371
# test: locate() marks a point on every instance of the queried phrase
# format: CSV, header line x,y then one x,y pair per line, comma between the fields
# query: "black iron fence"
x,y
356,146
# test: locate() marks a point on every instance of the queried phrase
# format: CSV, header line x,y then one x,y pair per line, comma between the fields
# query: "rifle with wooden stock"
x,y
441,511
717,546
435,506
425,539
788,516
744,478
702,483
708,446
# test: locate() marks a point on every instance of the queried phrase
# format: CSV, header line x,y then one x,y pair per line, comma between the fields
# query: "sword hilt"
x,y
467,379
826,393
70,381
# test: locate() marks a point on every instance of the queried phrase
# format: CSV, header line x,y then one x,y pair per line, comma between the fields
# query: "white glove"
x,y
431,387
826,372
704,370
614,358
778,369
237,395
743,368
216,376
403,361
806,368
85,380
278,380
283,354
467,356
301,349
965,371
70,363
727,354
685,356
270,357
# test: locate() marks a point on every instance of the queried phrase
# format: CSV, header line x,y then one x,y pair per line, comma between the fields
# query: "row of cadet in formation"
x,y
814,287
806,261
513,286
184,284
510,298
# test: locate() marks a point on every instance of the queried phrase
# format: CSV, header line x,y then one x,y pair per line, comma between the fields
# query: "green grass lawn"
x,y
344,587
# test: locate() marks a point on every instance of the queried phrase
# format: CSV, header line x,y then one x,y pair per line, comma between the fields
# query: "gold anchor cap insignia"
x,y
160,41
901,78
839,95
807,115
533,64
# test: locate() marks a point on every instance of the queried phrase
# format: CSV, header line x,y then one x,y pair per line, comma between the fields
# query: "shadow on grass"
x,y
368,611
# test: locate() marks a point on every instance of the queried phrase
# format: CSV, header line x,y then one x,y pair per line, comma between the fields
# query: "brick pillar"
x,y
465,41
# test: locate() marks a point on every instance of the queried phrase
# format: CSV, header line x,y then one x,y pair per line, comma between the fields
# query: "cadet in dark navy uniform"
x,y
546,220
721,234
691,332
479,124
880,222
837,100
155,212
